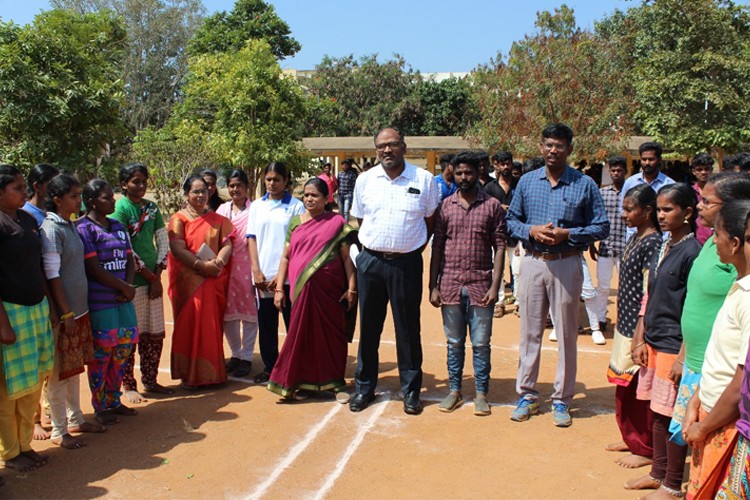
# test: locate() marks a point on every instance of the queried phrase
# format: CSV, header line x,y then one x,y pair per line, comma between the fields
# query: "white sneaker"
x,y
598,338
552,336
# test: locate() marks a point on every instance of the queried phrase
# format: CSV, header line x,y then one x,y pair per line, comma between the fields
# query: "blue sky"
x,y
432,35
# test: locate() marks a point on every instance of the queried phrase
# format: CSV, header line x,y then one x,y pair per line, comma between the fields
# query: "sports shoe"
x,y
524,409
552,336
561,414
598,337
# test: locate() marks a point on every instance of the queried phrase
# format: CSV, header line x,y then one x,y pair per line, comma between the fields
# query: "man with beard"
x,y
464,280
395,205
556,212
651,174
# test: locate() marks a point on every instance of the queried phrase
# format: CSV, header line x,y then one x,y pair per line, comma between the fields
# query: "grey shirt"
x,y
62,239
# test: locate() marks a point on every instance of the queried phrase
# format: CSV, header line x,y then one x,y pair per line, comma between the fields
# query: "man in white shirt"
x,y
395,205
651,174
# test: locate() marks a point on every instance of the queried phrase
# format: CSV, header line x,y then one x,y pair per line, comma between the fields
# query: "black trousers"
x,y
268,329
398,281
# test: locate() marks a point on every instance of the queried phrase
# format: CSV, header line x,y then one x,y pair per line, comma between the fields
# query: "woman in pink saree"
x,y
323,284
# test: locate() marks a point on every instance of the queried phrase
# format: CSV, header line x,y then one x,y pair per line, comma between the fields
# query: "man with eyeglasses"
x,y
702,165
651,174
395,204
556,212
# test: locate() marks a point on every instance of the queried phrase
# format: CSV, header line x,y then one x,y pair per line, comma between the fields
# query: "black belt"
x,y
389,255
554,256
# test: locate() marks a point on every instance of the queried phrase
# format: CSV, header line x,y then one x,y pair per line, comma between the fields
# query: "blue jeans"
x,y
345,205
456,317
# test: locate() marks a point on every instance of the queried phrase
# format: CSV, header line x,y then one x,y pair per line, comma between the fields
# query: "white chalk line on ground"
x,y
375,414
294,452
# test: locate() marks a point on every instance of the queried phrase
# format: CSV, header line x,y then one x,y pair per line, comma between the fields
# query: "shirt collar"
x,y
481,196
566,178
744,283
408,173
285,200
54,217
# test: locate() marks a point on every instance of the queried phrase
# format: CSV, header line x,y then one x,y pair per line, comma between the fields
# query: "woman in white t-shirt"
x,y
267,225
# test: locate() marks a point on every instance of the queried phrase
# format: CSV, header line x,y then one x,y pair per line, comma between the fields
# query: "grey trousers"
x,y
553,286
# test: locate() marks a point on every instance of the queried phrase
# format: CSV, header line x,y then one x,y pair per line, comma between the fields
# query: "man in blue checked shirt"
x,y
556,213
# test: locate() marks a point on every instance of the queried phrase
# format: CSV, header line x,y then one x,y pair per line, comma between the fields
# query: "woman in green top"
x,y
707,287
148,235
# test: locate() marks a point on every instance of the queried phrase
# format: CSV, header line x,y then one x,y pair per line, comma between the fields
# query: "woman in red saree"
x,y
200,245
323,284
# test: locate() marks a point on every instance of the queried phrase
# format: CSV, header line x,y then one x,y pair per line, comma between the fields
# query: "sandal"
x,y
481,407
261,378
157,389
243,369
451,402
106,417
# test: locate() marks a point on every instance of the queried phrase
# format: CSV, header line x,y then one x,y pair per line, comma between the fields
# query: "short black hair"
x,y
703,160
468,158
128,171
558,131
619,161
8,174
727,164
742,160
446,159
651,146
533,164
502,156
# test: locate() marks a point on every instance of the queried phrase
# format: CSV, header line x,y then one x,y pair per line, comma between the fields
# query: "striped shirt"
x,y
574,204
464,242
112,248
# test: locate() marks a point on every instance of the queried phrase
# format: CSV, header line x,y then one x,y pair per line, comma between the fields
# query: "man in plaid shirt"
x,y
347,178
610,249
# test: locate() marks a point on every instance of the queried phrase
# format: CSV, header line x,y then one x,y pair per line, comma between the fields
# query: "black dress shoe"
x,y
412,404
361,401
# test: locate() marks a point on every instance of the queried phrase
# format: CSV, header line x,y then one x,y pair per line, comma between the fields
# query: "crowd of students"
x,y
82,291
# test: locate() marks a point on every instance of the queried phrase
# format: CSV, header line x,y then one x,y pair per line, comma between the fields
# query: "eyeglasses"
x,y
710,204
549,146
392,145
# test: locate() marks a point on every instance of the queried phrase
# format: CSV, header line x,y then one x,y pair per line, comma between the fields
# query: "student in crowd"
x,y
638,260
25,333
709,423
701,165
241,313
210,178
148,236
323,284
200,249
465,277
267,225
658,337
110,270
327,176
346,180
66,274
445,180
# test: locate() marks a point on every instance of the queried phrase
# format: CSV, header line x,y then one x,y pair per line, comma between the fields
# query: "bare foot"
x,y
68,442
133,397
35,457
642,483
660,494
20,463
106,418
39,433
619,446
87,427
633,461
121,409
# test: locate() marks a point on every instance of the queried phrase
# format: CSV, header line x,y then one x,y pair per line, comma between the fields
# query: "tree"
x,y
61,90
238,111
366,95
560,74
444,107
249,20
156,60
692,73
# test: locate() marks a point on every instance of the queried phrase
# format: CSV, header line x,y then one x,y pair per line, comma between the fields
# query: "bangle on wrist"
x,y
639,345
195,263
279,290
69,314
352,291
219,259
152,278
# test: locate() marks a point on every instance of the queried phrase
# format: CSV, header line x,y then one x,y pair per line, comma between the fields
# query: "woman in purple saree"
x,y
323,284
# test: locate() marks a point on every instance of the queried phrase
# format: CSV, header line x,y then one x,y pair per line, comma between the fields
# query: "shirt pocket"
x,y
571,210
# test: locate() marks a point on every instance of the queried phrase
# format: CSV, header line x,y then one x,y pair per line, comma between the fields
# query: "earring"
x,y
686,221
